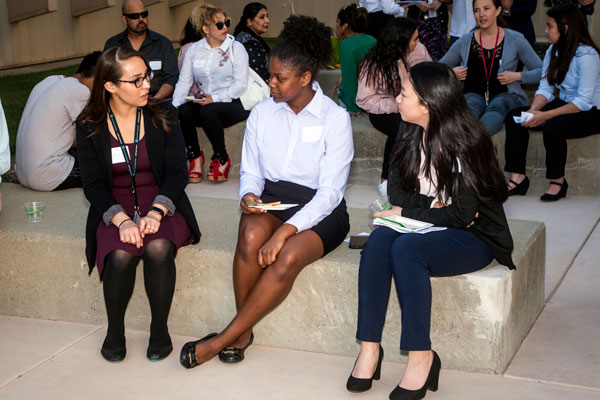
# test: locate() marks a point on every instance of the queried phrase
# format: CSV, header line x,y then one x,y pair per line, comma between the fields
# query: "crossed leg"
x,y
259,291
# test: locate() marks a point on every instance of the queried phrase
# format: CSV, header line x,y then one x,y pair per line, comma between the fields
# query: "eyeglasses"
x,y
142,14
220,24
140,81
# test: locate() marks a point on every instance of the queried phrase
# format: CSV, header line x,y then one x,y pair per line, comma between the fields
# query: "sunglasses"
x,y
140,81
220,24
142,14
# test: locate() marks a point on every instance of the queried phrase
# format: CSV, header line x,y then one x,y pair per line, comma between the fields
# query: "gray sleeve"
x,y
532,61
165,202
111,212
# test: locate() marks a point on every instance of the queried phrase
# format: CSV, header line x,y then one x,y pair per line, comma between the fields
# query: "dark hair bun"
x,y
309,37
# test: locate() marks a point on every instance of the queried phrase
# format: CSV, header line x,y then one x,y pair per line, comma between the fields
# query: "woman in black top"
x,y
254,23
442,174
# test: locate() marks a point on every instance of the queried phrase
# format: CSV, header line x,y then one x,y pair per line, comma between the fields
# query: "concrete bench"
x,y
478,320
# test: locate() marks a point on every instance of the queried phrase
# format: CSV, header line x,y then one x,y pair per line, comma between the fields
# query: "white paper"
x,y
347,240
525,116
117,155
279,207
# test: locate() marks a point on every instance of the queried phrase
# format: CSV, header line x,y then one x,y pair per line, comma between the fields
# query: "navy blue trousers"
x,y
411,258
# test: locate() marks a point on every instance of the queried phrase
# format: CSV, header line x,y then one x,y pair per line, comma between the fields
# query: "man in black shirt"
x,y
157,49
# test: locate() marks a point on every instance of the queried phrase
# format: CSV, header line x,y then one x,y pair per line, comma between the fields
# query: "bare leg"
x,y
554,189
516,178
367,360
417,369
272,287
253,232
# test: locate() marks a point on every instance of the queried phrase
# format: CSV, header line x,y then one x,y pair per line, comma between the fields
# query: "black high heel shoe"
x,y
431,383
113,348
357,385
187,357
561,193
520,188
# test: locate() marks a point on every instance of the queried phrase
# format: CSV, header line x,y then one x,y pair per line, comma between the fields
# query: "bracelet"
x,y
158,210
122,222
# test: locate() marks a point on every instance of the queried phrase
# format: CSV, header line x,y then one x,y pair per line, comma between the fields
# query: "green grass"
x,y
14,92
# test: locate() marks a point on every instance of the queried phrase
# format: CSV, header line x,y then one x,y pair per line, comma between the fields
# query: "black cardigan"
x,y
491,225
166,151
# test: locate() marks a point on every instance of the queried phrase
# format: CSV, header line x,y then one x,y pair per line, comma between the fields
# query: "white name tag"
x,y
155,65
311,133
117,155
199,63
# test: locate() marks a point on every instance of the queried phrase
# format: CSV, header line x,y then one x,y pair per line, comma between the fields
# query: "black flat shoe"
x,y
232,355
159,345
357,385
520,188
561,193
431,383
113,349
187,357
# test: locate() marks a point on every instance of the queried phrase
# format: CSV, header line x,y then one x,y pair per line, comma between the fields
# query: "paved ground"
x,y
559,359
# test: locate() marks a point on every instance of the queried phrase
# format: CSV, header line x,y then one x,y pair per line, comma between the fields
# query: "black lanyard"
x,y
132,168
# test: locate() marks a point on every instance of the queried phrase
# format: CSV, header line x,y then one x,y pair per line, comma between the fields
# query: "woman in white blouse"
x,y
297,149
218,66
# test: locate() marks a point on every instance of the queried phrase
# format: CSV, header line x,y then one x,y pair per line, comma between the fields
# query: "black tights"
x,y
159,281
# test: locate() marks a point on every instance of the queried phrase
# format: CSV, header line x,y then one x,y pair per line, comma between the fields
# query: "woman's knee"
x,y
159,250
120,261
287,265
251,235
408,252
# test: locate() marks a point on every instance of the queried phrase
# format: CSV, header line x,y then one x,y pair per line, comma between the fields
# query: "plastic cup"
x,y
34,210
380,204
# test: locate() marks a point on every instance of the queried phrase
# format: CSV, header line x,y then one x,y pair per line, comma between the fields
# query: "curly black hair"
x,y
304,44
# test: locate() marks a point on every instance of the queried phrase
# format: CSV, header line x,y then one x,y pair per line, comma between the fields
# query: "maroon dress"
x,y
172,227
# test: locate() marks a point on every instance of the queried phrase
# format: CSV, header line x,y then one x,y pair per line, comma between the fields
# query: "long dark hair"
x,y
564,49
250,11
380,65
109,69
189,34
453,135
354,16
304,43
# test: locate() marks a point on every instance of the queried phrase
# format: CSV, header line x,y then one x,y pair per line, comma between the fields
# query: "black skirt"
x,y
332,230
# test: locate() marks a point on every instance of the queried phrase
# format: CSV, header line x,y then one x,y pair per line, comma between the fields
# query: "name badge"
x,y
117,155
311,133
155,65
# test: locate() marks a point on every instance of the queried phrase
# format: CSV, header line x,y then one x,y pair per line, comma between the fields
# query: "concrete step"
x,y
478,320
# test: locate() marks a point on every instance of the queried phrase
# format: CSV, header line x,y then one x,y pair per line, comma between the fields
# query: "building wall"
x,y
50,30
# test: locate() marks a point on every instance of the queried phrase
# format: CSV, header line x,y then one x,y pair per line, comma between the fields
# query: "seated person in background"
x,y
45,154
190,35
486,60
571,69
218,65
4,148
432,22
517,14
380,12
444,172
397,49
297,149
351,25
156,48
254,22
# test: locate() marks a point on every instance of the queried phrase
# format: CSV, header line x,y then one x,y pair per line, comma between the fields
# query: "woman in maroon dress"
x,y
133,167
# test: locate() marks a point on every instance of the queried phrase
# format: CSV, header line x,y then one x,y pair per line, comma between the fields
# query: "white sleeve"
x,y
390,7
251,177
4,144
186,78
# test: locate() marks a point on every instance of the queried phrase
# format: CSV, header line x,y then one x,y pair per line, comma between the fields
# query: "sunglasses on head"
x,y
220,24
142,14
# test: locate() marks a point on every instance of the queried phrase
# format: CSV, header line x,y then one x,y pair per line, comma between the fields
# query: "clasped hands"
x,y
130,232
505,77
395,210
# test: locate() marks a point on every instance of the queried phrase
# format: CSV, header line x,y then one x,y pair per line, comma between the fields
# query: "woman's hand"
x,y
251,198
539,117
460,72
336,87
129,232
438,204
206,99
267,254
423,6
395,210
149,225
508,77
435,5
474,218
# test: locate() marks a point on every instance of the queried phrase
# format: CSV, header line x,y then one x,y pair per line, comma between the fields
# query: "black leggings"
x,y
159,280
213,118
388,124
556,131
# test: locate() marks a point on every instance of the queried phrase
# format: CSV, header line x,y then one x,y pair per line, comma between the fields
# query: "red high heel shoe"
x,y
219,172
196,176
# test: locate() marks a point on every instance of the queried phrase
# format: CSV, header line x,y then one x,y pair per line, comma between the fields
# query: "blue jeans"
x,y
411,258
492,115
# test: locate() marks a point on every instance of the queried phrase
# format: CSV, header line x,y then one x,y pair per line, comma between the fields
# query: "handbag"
x,y
257,89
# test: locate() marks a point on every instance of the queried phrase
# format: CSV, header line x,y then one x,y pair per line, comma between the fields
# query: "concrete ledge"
x,y
478,321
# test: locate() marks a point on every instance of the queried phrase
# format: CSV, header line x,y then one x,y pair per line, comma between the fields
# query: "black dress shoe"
x,y
357,385
431,383
187,357
113,348
561,193
159,345
520,188
232,355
